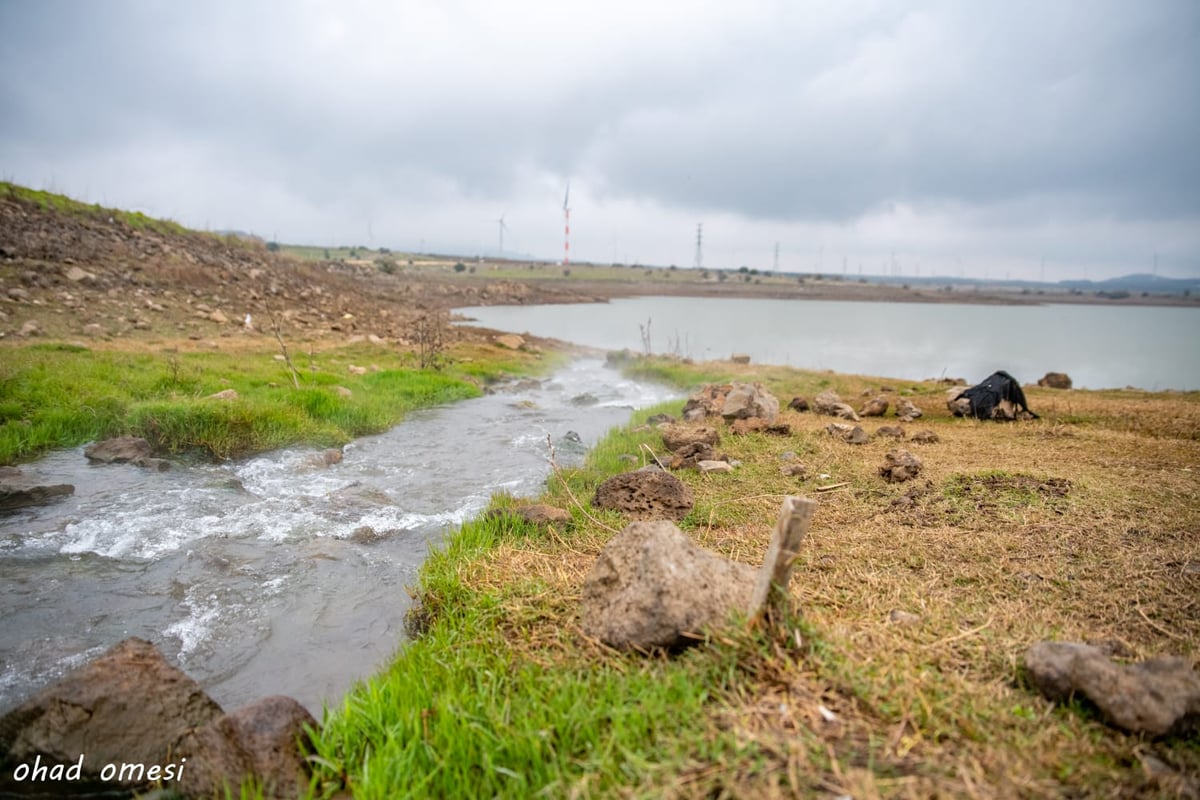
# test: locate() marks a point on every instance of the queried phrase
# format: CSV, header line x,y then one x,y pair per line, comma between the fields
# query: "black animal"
x,y
999,396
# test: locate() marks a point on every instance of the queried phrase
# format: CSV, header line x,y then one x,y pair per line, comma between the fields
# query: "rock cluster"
x,y
130,707
731,401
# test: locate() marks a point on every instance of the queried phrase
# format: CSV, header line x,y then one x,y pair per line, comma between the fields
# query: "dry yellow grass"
x,y
916,601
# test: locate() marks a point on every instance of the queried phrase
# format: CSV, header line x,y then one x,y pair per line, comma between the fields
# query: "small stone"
x,y
224,394
1055,380
510,341
677,436
342,391
925,437
899,466
798,404
851,434
906,411
900,617
876,407
218,317
356,370
890,431
714,466
794,471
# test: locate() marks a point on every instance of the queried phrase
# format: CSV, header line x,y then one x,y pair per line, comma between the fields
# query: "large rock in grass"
x,y
750,400
128,706
830,403
652,587
900,466
647,493
1159,697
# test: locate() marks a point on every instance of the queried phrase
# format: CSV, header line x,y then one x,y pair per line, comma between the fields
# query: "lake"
x,y
1100,347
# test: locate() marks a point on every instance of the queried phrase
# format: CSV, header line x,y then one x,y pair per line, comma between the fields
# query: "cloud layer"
x,y
982,138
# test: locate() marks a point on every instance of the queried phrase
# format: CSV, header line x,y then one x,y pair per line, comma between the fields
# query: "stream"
x,y
277,574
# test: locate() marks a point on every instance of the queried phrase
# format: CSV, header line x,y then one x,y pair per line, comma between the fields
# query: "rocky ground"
x,y
87,274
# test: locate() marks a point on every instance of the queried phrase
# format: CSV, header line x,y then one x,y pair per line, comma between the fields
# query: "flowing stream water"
x,y
277,574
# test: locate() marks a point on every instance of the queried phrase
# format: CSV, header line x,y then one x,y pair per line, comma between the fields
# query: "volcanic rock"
x,y
652,587
647,493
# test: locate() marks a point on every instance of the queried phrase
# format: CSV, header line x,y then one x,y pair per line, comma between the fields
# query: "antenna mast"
x,y
699,245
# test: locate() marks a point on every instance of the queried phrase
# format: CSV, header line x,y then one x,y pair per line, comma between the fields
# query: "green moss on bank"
x,y
61,395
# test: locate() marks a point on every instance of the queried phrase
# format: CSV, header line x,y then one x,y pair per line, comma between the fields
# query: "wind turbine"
x,y
567,226
500,222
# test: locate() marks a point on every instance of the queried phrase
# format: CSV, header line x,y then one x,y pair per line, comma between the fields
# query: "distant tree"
x,y
722,277
567,273
387,266
326,253
273,246
460,267
384,250
743,269
673,268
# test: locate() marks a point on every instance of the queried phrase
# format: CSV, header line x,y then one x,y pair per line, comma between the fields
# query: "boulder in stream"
x,y
18,490
119,450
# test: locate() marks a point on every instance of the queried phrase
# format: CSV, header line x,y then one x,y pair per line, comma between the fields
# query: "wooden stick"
x,y
771,586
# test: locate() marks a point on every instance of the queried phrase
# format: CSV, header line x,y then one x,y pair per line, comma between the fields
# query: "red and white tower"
x,y
567,226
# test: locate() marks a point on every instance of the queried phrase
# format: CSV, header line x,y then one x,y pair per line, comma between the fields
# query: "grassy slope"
x,y
1077,526
60,395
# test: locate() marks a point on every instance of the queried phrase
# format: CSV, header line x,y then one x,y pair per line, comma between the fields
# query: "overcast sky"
x,y
978,138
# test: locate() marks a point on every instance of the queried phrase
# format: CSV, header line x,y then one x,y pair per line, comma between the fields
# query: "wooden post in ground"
x,y
771,585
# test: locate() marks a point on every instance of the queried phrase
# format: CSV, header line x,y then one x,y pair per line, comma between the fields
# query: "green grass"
x,y
465,712
64,205
64,395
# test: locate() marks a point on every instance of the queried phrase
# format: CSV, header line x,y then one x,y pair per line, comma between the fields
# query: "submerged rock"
x,y
119,450
17,490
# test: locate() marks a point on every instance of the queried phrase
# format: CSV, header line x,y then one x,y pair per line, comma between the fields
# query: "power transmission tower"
x,y
775,263
699,245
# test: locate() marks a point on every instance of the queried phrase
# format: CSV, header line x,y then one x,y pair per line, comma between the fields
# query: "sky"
x,y
988,139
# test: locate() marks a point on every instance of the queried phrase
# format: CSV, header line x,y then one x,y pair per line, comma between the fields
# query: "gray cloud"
x,y
992,130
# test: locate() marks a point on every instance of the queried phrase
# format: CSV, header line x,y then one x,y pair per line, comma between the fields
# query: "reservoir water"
x,y
1099,346
277,574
